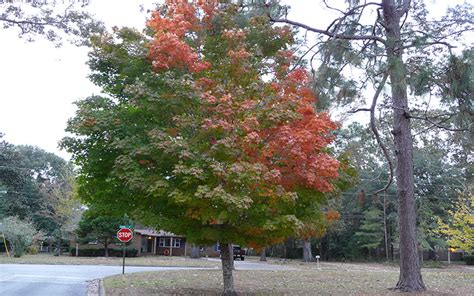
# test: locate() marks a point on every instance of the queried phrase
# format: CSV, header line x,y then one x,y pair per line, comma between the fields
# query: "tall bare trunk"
x,y
106,247
410,271
227,266
58,246
263,254
385,232
307,255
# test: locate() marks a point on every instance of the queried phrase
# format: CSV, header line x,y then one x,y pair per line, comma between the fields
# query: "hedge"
x,y
469,259
101,252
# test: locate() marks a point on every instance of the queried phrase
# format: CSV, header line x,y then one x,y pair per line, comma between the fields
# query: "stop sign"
x,y
124,235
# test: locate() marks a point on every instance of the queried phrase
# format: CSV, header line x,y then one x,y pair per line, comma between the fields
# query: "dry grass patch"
x,y
341,279
134,261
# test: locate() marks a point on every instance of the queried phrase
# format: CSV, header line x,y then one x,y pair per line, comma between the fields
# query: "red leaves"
x,y
169,49
272,123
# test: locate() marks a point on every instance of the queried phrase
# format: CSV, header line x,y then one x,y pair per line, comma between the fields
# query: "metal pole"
x,y
317,262
123,264
171,246
6,247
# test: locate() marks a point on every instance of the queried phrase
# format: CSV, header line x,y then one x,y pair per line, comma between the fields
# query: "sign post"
x,y
125,234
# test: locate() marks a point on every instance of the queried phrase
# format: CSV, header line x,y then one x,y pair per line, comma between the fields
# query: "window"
x,y
164,241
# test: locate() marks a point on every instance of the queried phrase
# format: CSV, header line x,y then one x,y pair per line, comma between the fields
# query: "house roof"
x,y
152,232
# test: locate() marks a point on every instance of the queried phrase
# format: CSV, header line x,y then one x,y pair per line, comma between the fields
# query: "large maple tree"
x,y
210,130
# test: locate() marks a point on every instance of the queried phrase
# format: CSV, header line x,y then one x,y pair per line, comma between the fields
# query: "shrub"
x,y
19,233
33,250
101,252
469,259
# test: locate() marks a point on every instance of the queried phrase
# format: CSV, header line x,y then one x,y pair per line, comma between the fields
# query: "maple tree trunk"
x,y
307,255
227,267
410,279
263,254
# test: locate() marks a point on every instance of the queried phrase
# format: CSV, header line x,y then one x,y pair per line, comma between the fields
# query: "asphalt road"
x,y
57,280
72,280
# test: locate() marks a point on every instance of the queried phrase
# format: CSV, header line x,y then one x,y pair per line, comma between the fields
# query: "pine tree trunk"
x,y
385,226
195,252
410,272
263,254
307,255
58,247
227,267
106,247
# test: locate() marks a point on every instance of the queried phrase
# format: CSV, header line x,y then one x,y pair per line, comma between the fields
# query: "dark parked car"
x,y
238,253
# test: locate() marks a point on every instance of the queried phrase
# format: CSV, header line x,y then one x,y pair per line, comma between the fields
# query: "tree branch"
x,y
438,125
326,32
360,109
405,7
373,127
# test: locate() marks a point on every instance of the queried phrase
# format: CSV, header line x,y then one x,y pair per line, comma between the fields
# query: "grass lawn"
x,y
333,279
133,261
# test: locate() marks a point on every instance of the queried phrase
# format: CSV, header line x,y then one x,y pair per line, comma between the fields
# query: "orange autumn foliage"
x,y
244,121
332,215
169,48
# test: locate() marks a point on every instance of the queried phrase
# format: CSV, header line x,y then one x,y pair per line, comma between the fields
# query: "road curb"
x,y
101,288
93,287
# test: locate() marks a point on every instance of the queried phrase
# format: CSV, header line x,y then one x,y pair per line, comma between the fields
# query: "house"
x,y
149,242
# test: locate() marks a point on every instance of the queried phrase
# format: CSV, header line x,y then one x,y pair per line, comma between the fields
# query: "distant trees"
x,y
49,19
38,187
392,43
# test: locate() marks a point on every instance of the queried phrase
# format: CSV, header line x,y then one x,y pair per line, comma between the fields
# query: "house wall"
x,y
150,245
176,249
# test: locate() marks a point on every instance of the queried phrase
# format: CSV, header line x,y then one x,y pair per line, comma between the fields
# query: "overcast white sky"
x,y
39,83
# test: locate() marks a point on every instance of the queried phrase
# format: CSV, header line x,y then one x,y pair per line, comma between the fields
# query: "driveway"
x,y
58,280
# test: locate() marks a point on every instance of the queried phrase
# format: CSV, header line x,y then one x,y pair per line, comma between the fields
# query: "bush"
x,y
19,233
33,250
101,252
469,259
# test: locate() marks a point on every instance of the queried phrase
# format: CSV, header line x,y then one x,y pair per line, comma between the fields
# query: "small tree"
x,y
370,234
19,233
103,228
459,231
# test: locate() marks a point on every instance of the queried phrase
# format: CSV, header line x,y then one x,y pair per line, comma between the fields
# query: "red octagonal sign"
x,y
124,235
